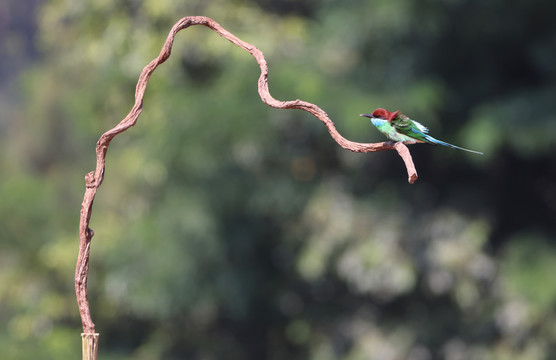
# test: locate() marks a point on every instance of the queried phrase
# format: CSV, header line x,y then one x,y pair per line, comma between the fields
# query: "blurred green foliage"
x,y
227,229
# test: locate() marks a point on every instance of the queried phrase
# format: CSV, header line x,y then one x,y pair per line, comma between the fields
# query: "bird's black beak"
x,y
366,115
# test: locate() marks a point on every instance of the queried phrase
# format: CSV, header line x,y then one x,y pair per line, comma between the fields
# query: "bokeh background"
x,y
226,229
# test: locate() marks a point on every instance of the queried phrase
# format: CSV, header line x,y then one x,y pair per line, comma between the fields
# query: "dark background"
x,y
226,229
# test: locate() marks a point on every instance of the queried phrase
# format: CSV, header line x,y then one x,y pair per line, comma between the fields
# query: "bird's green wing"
x,y
404,125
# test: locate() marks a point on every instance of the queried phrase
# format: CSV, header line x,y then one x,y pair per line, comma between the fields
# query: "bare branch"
x,y
94,179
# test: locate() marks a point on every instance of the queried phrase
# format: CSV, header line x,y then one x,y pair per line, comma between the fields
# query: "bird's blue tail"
x,y
439,142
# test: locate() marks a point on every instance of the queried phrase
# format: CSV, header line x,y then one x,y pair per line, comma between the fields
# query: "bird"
x,y
399,127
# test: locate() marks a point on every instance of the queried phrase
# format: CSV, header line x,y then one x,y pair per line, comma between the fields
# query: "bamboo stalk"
x,y
89,343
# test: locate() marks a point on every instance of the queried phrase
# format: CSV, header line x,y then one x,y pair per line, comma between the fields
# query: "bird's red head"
x,y
385,114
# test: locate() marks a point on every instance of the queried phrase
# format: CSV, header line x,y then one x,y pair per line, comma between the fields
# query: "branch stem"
x,y
94,179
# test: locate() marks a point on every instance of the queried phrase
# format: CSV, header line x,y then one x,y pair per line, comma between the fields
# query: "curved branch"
x,y
94,179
